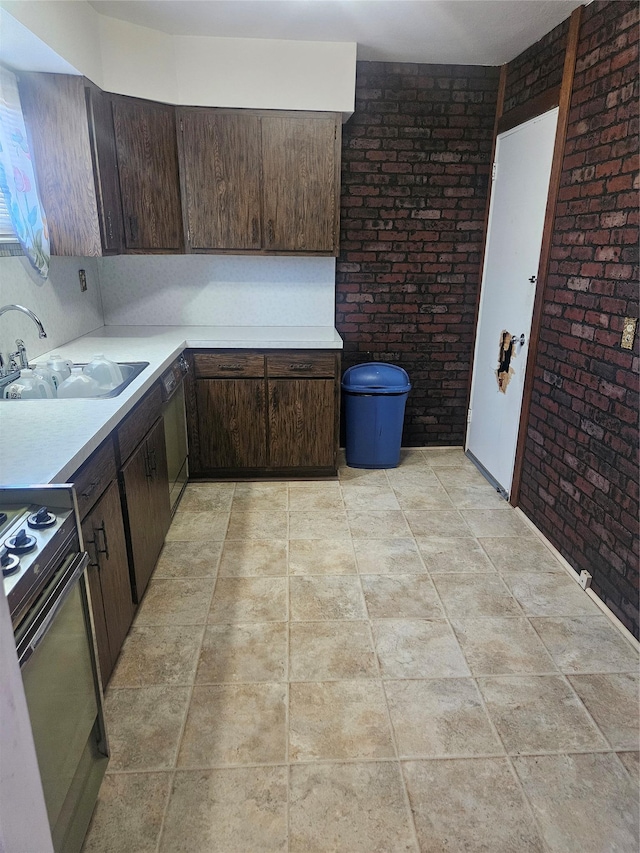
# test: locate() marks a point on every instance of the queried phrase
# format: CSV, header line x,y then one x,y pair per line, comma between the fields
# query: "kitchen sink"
x,y
129,369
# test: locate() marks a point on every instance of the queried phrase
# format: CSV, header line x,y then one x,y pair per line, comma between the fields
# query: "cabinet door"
x,y
231,423
300,183
148,169
159,504
56,117
103,534
105,658
220,162
301,423
105,167
146,492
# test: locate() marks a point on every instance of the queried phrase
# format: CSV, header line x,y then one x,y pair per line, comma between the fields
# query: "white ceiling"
x,y
474,32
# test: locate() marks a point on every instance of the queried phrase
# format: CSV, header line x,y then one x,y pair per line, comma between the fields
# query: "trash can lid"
x,y
376,377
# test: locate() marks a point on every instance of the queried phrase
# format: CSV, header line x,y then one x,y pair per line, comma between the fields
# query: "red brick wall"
x,y
580,477
537,69
414,182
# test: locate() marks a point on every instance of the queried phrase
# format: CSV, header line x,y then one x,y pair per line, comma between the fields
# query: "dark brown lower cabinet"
x,y
301,423
113,608
144,482
277,415
231,412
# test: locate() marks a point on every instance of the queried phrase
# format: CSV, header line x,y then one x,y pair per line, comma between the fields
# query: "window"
x,y
21,214
9,244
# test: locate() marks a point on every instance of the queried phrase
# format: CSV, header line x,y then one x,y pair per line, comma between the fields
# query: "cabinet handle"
x,y
254,231
270,231
105,545
147,465
95,563
303,365
96,548
153,462
90,488
231,368
133,227
109,226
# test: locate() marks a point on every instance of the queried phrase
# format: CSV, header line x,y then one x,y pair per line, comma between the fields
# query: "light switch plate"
x,y
628,332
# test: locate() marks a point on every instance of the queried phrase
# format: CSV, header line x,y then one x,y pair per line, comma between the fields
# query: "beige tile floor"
x,y
388,662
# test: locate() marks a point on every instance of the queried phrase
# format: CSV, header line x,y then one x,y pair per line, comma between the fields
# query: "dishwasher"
x,y
175,428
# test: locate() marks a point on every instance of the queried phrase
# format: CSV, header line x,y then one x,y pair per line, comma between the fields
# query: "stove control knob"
x,y
41,518
21,543
10,562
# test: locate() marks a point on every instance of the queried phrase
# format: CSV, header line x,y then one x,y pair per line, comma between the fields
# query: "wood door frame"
x,y
505,121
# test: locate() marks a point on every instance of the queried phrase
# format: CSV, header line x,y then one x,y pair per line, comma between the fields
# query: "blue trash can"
x,y
374,396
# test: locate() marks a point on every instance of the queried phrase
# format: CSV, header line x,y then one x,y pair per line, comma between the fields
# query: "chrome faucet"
x,y
18,359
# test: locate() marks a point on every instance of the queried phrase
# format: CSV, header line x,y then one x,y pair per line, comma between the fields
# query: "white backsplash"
x,y
65,312
221,290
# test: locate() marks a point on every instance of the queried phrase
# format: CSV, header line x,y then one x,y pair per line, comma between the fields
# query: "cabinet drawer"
x,y
302,364
92,479
228,365
137,423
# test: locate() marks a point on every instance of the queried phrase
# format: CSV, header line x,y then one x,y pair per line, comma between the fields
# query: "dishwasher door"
x,y
175,433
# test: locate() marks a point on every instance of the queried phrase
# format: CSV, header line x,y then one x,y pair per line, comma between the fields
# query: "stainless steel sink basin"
x,y
129,369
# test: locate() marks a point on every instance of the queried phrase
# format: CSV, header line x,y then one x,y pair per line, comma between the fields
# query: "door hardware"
x,y
105,545
519,340
533,279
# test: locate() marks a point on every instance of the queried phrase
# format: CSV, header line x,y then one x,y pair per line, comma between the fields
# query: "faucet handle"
x,y
22,353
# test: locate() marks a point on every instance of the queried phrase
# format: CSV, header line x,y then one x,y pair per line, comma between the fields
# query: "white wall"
x,y
266,74
204,290
137,61
70,27
204,71
65,312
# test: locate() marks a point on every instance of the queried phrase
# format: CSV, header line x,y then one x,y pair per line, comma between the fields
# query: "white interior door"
x,y
516,218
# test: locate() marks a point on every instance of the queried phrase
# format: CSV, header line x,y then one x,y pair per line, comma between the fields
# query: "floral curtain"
x,y
17,179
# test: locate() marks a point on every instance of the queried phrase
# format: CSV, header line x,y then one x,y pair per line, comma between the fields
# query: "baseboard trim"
x,y
626,633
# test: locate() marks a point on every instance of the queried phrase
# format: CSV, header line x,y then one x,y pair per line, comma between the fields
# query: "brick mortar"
x,y
414,184
580,474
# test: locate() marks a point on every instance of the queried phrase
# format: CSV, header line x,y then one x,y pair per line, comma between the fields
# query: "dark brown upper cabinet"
x,y
55,114
260,181
301,182
220,170
145,134
105,167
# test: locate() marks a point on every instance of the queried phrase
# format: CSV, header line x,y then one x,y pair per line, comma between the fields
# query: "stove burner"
x,y
41,518
21,543
10,562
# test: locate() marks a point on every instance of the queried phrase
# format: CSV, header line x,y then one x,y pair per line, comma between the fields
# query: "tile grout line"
x,y
287,721
478,691
193,684
381,680
394,741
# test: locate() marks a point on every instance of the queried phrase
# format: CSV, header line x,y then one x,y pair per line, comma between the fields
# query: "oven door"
x,y
57,659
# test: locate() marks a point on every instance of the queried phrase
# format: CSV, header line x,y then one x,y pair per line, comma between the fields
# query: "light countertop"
x,y
45,441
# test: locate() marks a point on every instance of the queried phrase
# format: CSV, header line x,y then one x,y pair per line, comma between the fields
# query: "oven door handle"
x,y
77,567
